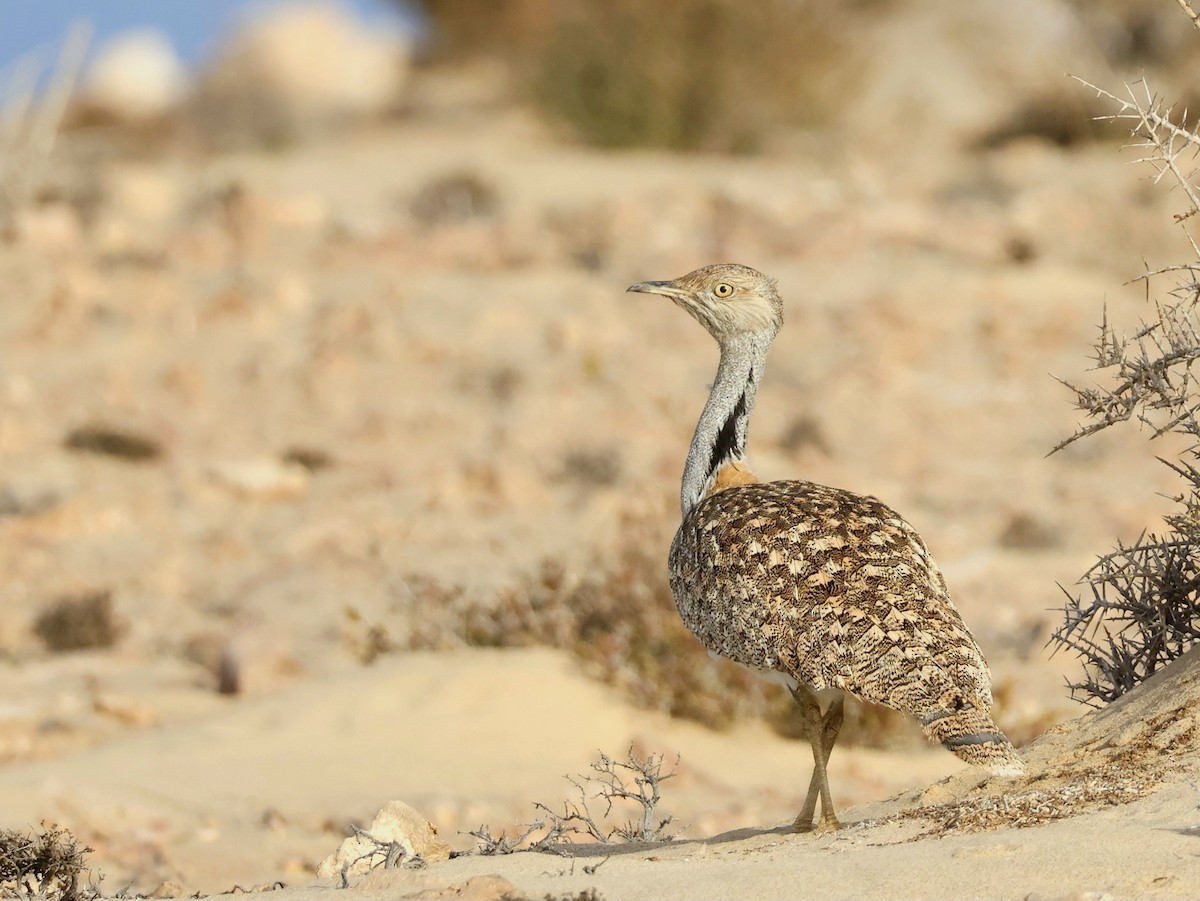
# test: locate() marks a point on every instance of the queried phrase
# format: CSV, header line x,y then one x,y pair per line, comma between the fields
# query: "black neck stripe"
x,y
727,444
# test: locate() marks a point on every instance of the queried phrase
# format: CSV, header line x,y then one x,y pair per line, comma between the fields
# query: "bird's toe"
x,y
803,825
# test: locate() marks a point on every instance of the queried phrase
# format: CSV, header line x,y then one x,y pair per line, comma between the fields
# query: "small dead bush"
x,y
591,467
681,74
627,631
1059,117
111,441
633,784
79,623
45,864
454,197
314,459
464,28
618,617
802,432
1025,532
620,620
718,75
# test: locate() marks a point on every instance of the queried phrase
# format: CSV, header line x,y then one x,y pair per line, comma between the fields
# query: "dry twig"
x,y
380,854
632,780
1189,12
30,121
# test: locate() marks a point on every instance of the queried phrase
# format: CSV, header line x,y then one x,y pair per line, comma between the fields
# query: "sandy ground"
x,y
463,377
265,786
260,786
1110,808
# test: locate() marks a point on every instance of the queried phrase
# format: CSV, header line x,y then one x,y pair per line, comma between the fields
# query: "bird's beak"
x,y
667,289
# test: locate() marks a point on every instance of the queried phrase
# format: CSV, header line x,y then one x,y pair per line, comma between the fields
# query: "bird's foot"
x,y
829,824
824,825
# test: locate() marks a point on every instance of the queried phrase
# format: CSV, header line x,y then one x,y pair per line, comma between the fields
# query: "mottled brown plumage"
x,y
837,591
824,589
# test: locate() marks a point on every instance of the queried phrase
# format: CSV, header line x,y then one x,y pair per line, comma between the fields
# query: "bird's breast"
x,y
731,475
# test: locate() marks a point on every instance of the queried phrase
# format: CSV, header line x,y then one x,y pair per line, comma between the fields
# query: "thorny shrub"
x,y
1141,606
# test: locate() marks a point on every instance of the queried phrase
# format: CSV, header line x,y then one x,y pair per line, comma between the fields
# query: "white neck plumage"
x,y
720,438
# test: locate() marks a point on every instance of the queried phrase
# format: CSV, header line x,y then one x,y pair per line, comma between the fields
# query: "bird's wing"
x,y
835,588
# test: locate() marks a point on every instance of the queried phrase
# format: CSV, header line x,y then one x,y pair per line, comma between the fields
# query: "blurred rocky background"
x,y
315,360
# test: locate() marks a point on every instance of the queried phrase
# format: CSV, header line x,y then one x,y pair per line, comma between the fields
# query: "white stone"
x,y
977,61
136,76
144,194
51,227
396,822
264,478
314,59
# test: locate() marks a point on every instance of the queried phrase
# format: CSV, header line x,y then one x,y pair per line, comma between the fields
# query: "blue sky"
x,y
192,25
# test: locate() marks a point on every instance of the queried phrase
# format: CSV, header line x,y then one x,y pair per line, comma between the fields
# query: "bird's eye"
x,y
723,290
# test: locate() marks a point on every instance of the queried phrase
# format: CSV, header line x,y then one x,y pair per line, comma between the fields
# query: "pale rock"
x,y
274,56
29,497
144,194
168,889
301,212
135,76
396,822
977,63
126,711
49,227
264,478
15,742
115,234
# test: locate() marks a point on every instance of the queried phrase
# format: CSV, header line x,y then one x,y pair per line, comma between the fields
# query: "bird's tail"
x,y
972,735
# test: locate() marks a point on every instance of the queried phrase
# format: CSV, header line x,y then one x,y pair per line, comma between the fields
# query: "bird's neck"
x,y
720,439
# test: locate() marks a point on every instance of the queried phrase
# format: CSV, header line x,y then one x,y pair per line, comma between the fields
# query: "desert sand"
x,y
1109,808
352,398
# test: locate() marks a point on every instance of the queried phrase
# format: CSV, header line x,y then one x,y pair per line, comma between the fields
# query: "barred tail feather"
x,y
971,735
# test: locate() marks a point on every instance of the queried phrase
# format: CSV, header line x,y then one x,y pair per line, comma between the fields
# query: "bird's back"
x,y
836,590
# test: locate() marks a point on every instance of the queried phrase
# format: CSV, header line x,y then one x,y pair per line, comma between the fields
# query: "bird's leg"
x,y
822,733
831,724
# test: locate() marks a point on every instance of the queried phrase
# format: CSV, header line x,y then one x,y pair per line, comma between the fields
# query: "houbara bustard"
x,y
822,589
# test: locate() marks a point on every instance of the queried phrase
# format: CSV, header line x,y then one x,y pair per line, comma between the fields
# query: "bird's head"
x,y
728,299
